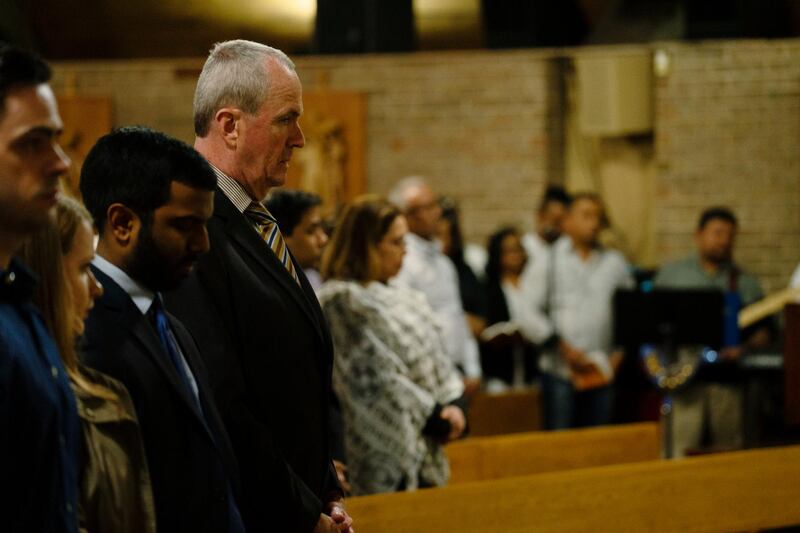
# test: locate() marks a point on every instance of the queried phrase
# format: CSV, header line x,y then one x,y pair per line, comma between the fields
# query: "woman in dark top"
x,y
472,289
505,353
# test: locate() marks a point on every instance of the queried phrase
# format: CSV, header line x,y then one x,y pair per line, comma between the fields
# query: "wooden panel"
x,y
485,458
509,412
86,119
332,162
735,491
791,365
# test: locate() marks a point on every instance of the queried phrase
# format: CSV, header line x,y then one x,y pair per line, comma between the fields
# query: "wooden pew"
x,y
484,458
791,366
737,491
508,412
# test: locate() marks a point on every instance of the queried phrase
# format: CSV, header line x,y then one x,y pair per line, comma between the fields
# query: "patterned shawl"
x,y
390,370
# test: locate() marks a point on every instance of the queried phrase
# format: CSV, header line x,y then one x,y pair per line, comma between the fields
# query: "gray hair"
x,y
398,195
234,75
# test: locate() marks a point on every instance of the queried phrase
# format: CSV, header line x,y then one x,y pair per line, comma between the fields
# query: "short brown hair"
x,y
352,253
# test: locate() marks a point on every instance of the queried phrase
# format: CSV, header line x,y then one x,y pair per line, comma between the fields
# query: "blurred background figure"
x,y
471,286
401,395
578,360
508,355
715,403
548,223
115,493
299,216
429,271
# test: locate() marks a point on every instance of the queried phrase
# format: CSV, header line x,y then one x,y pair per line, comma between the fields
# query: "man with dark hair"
x,y
257,319
712,267
298,216
549,224
39,431
151,197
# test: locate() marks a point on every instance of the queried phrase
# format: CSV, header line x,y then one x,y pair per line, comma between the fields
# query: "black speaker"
x,y
359,26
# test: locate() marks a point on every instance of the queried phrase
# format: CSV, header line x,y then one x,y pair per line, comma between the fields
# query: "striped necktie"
x,y
268,228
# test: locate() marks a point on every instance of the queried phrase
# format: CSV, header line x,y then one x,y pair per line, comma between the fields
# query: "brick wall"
x,y
478,125
485,128
728,132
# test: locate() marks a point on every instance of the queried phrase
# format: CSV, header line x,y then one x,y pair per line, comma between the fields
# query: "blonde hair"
x,y
44,254
352,253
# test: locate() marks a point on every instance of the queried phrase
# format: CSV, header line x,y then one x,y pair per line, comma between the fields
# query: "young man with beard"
x,y
151,197
717,403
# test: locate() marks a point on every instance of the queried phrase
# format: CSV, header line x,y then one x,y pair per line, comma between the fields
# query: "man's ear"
x,y
122,224
228,122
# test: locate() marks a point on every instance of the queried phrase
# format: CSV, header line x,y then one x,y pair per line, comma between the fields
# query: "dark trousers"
x,y
564,407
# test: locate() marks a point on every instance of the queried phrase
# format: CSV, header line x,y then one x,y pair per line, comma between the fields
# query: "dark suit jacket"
x,y
189,455
269,354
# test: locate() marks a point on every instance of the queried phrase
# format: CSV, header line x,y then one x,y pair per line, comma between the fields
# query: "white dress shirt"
x,y
536,247
428,270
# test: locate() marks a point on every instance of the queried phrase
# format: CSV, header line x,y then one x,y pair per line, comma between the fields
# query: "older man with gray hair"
x,y
249,305
428,270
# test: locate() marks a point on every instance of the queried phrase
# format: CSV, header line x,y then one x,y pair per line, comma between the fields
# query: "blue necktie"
x,y
171,347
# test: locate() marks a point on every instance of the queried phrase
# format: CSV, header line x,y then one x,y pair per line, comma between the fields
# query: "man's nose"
x,y
62,161
297,139
200,244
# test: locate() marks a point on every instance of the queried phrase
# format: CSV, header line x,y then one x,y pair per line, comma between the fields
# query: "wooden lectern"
x,y
791,365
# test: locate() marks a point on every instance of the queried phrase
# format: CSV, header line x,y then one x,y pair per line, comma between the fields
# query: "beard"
x,y
719,257
151,266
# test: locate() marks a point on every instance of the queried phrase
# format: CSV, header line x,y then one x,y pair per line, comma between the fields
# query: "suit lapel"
x,y
240,232
119,303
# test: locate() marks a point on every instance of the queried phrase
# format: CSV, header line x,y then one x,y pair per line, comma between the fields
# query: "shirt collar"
x,y
432,247
142,296
233,190
565,243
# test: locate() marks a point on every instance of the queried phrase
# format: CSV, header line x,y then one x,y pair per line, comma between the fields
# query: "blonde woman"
x,y
400,393
115,493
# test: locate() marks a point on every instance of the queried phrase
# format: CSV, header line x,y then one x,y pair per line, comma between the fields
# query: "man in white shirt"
x,y
571,316
428,270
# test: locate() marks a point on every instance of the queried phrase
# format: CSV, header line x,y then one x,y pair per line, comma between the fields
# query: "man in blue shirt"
x,y
38,420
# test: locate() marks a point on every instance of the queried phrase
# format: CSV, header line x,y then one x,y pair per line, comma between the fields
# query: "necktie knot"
x,y
267,227
259,214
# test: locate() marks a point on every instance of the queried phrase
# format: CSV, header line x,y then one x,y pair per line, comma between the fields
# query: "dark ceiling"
x,y
93,29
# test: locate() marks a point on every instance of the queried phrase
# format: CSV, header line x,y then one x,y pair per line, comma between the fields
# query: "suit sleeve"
x,y
272,491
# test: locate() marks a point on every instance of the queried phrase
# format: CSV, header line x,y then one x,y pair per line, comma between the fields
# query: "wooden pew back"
x,y
508,412
734,491
484,458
